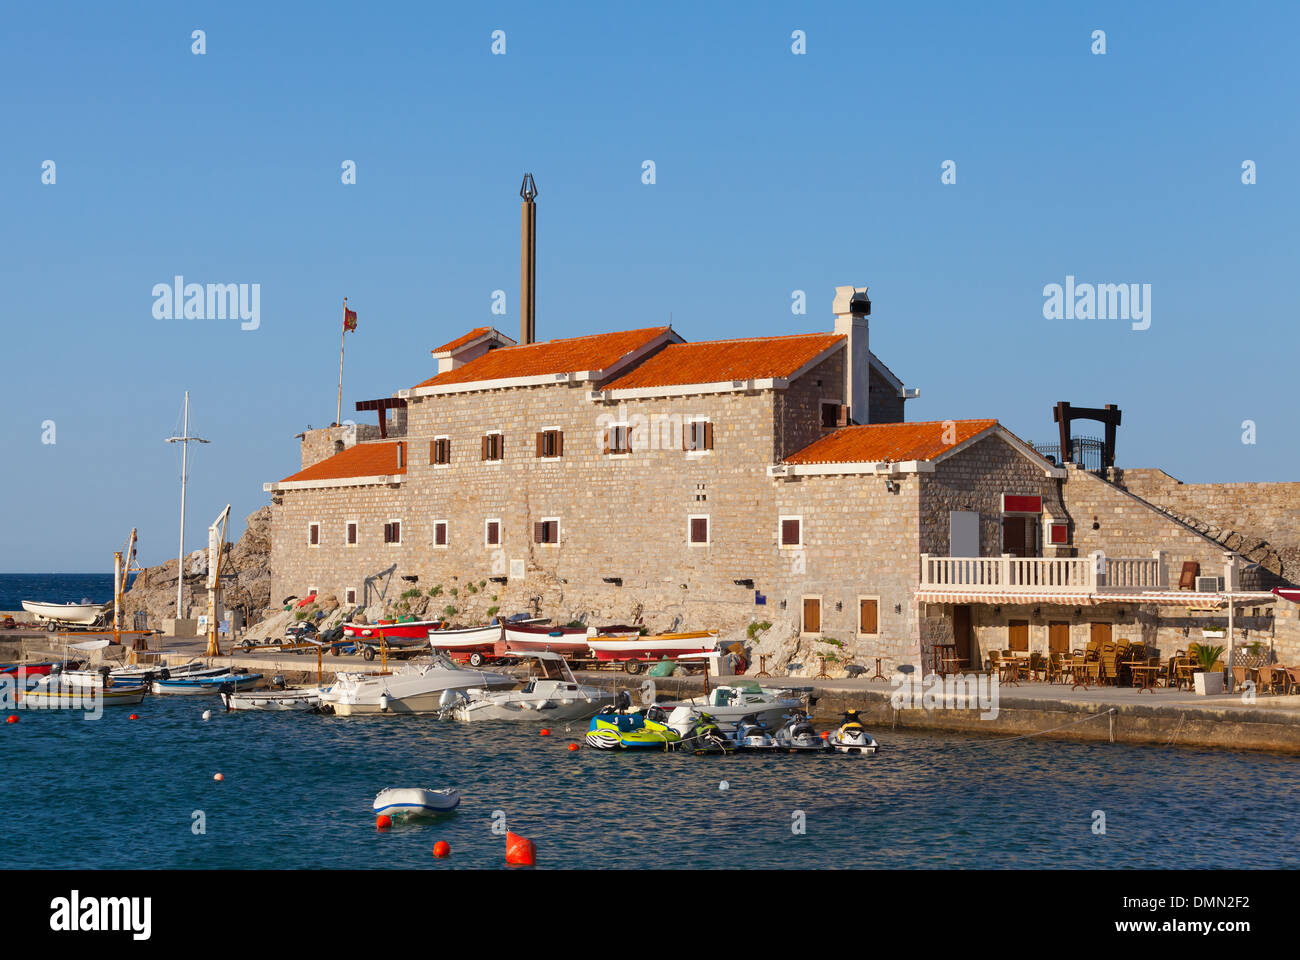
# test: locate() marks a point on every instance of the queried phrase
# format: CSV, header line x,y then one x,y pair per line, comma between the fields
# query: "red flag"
x,y
349,320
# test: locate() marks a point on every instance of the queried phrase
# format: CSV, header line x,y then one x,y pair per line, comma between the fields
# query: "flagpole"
x,y
338,419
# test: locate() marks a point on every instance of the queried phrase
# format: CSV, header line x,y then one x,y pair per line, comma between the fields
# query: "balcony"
x,y
1043,576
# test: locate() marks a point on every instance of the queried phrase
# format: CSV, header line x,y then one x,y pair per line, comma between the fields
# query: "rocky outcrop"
x,y
246,578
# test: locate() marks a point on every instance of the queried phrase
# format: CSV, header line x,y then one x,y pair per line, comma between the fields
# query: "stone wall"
x,y
324,442
1259,520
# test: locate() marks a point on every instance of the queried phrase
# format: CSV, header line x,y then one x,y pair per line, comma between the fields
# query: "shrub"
x,y
435,591
470,588
413,592
454,592
448,612
759,627
833,642
492,611
576,625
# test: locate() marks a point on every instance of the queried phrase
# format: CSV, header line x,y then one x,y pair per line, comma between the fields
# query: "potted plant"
x,y
1214,633
1207,680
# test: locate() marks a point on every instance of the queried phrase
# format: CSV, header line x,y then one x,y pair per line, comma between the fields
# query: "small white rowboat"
x,y
415,801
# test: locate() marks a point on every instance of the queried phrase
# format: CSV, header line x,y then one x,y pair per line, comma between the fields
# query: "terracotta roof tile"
x,y
890,442
716,361
362,460
596,352
462,340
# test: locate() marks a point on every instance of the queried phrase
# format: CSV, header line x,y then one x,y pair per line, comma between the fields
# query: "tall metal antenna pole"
x,y
528,261
184,440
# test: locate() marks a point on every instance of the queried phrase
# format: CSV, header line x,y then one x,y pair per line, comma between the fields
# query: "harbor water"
x,y
298,788
54,588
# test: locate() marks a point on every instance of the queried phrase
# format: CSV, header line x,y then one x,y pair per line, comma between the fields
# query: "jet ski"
x,y
612,730
700,732
800,736
852,737
752,734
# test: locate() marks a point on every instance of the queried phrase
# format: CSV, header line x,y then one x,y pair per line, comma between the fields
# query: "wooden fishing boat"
x,y
654,646
83,614
394,633
467,639
53,692
566,640
15,668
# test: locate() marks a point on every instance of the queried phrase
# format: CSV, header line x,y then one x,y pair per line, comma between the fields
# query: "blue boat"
x,y
207,685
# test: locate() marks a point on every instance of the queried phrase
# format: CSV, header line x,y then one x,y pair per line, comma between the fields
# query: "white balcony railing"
x,y
1008,574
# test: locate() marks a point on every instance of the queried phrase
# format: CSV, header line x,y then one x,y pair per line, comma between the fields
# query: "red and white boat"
x,y
411,630
566,640
654,647
467,639
28,669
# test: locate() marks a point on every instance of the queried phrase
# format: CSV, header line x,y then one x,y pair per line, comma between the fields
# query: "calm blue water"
x,y
54,588
298,792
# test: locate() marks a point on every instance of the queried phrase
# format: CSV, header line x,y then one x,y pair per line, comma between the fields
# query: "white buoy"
x,y
383,703
207,714
724,785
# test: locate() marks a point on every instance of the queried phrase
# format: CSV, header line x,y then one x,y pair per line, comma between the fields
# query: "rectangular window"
x,y
313,534
350,595
698,529
792,531
1018,636
440,451
440,533
834,415
393,531
547,530
550,443
868,616
812,615
352,533
618,439
493,447
697,436
491,533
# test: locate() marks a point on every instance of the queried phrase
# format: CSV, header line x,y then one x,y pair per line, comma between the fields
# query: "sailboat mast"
x,y
180,557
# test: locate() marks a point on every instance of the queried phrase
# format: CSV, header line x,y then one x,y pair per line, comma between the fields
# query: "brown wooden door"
x,y
1015,536
1018,635
961,634
812,615
868,616
1058,637
1099,632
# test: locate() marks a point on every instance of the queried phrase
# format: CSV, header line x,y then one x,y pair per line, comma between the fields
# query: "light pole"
x,y
184,440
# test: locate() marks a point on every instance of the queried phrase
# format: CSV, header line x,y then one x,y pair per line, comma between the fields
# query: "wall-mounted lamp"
x,y
499,579
616,581
411,578
747,582
839,605
1037,611
891,486
782,604
898,608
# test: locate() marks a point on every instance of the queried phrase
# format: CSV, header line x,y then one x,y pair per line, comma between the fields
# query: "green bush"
x,y
435,591
469,587
576,625
492,612
758,627
413,592
448,612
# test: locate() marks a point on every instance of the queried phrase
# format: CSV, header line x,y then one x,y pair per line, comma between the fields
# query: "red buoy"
x,y
134,716
573,747
520,851
12,718
545,732
219,776
383,821
825,734
441,849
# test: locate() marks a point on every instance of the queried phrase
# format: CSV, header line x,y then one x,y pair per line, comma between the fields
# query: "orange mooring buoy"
x,y
441,849
218,776
383,821
573,747
545,732
134,716
825,734
12,718
520,851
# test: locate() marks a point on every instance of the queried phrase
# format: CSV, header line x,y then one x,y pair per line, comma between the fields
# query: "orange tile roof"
x,y
715,361
890,442
596,352
362,460
462,340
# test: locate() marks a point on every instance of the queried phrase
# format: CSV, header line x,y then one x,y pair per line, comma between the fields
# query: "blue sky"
x,y
774,173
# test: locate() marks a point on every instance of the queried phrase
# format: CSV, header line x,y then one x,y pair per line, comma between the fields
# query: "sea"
x,y
297,792
54,588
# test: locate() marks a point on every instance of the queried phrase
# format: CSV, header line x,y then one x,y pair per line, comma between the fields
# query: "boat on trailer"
x,y
466,639
567,640
654,647
84,614
396,634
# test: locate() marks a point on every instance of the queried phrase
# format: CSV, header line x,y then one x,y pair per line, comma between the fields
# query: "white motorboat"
x,y
417,687
82,614
212,683
550,693
290,698
729,704
135,675
416,801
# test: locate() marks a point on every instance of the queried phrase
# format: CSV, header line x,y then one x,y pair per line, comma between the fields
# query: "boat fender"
x,y
384,702
520,851
207,714
164,674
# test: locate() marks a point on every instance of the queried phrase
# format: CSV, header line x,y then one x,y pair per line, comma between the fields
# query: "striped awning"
x,y
1166,598
985,596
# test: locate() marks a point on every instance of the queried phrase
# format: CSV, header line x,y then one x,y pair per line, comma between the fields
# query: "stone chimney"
x,y
852,308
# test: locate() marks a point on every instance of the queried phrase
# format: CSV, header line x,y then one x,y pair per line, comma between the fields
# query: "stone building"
x,y
633,476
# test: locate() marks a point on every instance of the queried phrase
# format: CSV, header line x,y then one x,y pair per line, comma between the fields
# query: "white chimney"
x,y
852,309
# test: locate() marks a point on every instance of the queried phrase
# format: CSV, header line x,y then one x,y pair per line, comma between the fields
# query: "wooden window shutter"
x,y
539,532
559,442
699,530
352,533
397,531
608,431
440,534
552,531
313,534
708,434
540,442
686,435
868,616
842,416
388,533
789,533
483,446
433,451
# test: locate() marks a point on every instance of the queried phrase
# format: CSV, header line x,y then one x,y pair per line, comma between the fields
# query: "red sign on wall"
x,y
1060,532
1013,503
